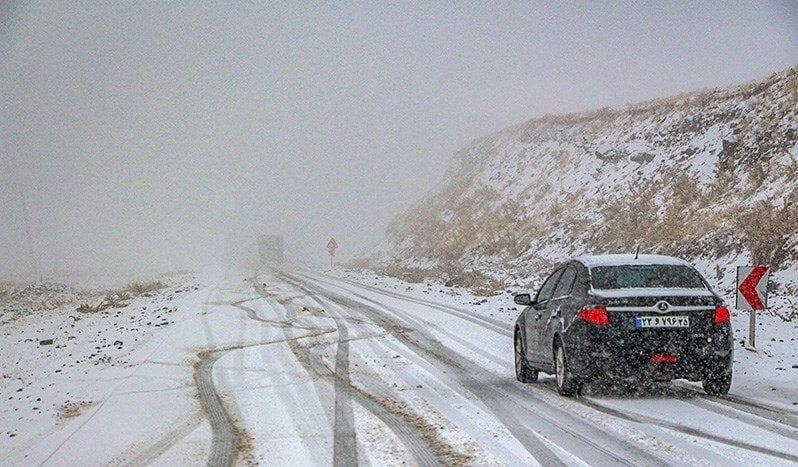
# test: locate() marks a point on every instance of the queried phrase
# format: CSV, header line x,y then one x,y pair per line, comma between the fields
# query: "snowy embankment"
x,y
710,177
60,362
768,373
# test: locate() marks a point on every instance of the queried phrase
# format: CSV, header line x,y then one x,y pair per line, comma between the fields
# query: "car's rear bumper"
x,y
630,358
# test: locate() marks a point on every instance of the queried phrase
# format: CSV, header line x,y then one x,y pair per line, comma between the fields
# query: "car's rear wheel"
x,y
567,384
523,372
718,382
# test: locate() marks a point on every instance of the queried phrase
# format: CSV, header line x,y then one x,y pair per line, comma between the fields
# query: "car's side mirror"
x,y
524,299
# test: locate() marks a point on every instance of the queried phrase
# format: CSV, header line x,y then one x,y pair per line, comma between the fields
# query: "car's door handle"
x,y
554,314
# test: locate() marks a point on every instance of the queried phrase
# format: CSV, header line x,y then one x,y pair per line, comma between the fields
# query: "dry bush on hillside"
x,y
117,299
507,230
787,313
478,283
477,226
790,100
120,298
767,232
686,217
113,299
726,183
675,225
555,211
412,275
141,288
627,220
88,308
360,263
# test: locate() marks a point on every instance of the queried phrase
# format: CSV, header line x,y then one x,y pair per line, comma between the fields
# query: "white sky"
x,y
152,136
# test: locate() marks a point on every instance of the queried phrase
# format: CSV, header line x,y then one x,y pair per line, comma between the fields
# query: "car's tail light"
x,y
721,314
595,315
663,359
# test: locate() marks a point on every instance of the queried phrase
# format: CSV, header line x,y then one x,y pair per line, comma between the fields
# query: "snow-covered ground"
x,y
340,367
62,368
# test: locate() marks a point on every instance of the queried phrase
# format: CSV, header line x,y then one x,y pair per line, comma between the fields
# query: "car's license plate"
x,y
662,322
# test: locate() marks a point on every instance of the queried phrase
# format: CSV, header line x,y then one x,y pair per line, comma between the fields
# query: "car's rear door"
x,y
560,304
539,314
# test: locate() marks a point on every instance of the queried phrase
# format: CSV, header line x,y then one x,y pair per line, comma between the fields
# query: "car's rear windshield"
x,y
645,276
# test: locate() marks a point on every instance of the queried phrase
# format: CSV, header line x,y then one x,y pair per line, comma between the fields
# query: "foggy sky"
x,y
154,137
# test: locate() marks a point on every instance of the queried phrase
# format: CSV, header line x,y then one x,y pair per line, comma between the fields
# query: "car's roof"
x,y
629,259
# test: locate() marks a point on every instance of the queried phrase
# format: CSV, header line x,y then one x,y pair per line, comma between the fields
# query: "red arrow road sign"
x,y
751,288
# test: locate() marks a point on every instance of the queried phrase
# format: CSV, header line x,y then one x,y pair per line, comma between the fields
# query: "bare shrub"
x,y
757,174
412,275
787,313
120,298
767,232
726,181
790,311
113,299
88,308
686,218
360,263
478,283
141,288
117,299
628,219
73,409
555,211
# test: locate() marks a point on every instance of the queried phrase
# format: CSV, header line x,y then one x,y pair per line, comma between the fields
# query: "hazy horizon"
x,y
160,137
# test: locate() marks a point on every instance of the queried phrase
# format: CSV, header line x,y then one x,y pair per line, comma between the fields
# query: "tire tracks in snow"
x,y
409,432
298,409
778,424
184,428
738,402
113,392
638,418
495,325
344,437
228,440
225,436
741,404
782,421
528,430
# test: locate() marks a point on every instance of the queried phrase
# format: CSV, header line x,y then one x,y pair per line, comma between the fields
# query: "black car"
x,y
624,317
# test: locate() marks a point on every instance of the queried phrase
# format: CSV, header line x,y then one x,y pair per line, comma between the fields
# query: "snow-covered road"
x,y
304,368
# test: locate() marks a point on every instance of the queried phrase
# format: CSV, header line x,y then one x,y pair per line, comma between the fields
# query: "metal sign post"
x,y
752,294
331,246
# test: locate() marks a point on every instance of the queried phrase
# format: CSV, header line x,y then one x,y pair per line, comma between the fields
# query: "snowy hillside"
x,y
710,176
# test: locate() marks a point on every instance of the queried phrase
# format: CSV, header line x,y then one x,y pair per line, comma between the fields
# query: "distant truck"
x,y
271,250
